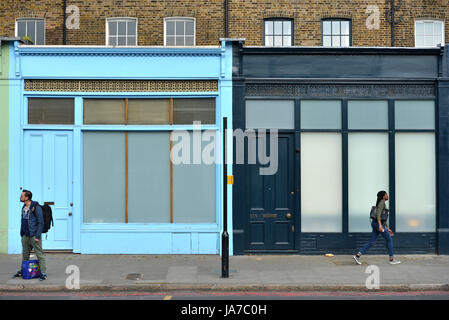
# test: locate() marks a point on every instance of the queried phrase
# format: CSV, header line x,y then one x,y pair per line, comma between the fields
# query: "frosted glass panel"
x,y
266,114
367,114
104,111
104,177
194,184
367,175
149,177
148,111
321,182
320,114
414,114
415,182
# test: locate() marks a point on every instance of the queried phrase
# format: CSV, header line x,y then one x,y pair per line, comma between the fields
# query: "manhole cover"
x,y
134,276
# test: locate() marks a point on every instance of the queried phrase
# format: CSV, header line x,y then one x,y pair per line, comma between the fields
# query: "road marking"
x,y
167,297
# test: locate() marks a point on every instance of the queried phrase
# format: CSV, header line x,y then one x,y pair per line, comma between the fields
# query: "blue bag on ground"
x,y
30,269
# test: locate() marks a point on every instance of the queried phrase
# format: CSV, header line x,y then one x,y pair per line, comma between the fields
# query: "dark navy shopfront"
x,y
350,122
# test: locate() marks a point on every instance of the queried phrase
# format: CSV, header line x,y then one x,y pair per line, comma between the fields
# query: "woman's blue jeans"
x,y
374,234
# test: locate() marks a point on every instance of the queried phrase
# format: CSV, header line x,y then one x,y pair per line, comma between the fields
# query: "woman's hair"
x,y
380,196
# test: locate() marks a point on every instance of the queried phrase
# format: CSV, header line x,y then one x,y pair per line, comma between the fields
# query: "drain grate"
x,y
134,276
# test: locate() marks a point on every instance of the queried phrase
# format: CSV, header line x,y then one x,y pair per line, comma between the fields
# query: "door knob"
x,y
70,214
288,215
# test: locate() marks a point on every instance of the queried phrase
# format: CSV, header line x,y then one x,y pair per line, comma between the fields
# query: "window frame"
x,y
433,21
121,19
292,24
339,35
184,19
16,31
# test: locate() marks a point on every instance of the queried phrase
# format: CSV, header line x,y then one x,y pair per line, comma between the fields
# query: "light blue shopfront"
x,y
68,146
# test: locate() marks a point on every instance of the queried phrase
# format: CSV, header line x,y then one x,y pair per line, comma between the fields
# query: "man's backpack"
x,y
47,215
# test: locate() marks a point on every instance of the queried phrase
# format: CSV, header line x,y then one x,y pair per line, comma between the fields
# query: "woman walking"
x,y
380,226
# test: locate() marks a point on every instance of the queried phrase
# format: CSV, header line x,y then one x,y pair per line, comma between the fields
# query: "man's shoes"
x,y
394,261
357,259
43,277
18,274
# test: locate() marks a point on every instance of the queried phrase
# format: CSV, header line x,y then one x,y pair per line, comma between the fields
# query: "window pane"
x,y
419,41
170,41
179,28
132,41
420,28
278,41
149,177
40,32
112,28
112,41
185,111
170,31
327,29
287,41
21,28
367,175
428,28
278,27
320,114
103,177
121,41
415,182
50,111
327,41
428,41
148,111
179,41
132,28
321,182
31,30
189,41
268,114
104,111
336,27
269,27
414,114
367,114
344,27
189,28
121,28
193,184
335,41
287,30
269,41
345,41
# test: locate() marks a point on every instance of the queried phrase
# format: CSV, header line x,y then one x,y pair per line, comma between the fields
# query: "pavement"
x,y
153,273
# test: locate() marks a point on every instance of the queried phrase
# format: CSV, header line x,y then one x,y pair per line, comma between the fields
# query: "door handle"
x,y
288,215
70,214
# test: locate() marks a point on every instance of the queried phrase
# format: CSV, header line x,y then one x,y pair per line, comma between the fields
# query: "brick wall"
x,y
245,19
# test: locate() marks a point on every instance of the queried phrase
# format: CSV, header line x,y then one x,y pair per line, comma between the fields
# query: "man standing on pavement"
x,y
31,232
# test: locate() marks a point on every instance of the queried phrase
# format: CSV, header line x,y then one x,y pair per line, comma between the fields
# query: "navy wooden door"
x,y
271,200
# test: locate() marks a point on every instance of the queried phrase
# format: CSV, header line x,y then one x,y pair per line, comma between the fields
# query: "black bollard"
x,y
225,235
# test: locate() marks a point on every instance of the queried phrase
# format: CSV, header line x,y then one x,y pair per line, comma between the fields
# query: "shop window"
x,y
267,114
179,31
186,111
364,114
415,182
278,32
50,111
321,182
148,177
194,182
149,111
32,28
414,114
429,33
368,159
336,33
121,31
320,114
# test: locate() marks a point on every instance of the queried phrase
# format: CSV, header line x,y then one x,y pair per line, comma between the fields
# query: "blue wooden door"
x,y
47,173
271,201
